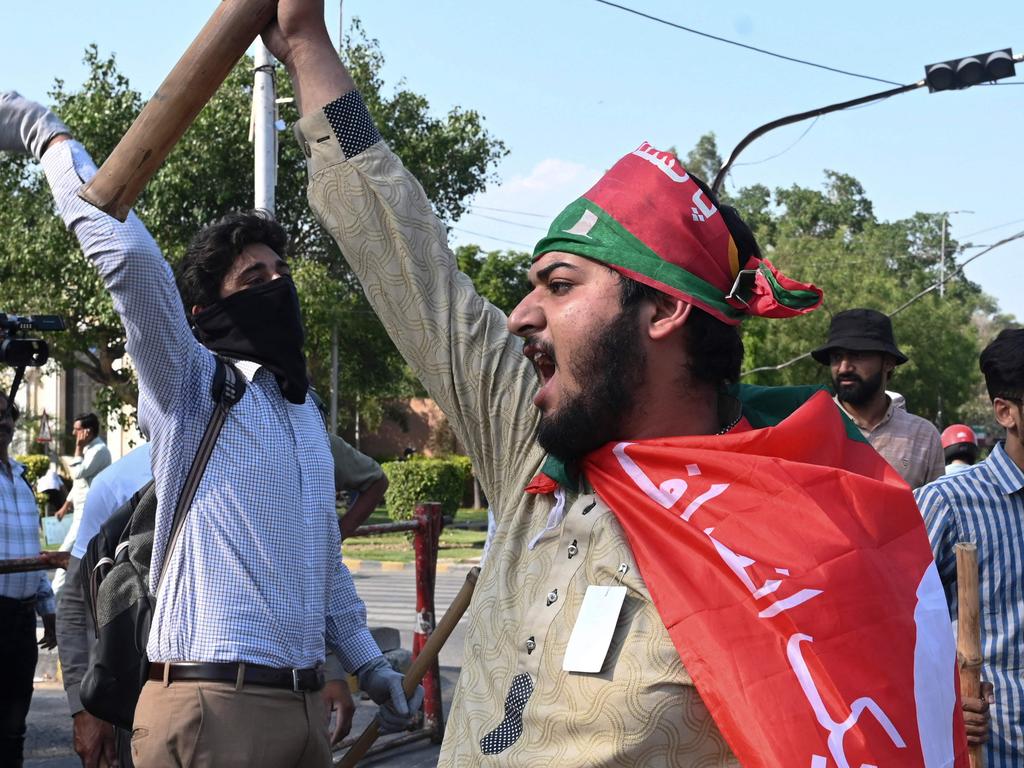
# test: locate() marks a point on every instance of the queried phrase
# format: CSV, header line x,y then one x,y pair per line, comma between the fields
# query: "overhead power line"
x,y
508,221
491,237
793,59
506,210
989,229
916,297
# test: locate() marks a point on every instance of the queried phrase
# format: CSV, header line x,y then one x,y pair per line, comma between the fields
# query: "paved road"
x,y
390,598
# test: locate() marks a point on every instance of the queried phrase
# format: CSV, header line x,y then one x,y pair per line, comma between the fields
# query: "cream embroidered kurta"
x,y
513,705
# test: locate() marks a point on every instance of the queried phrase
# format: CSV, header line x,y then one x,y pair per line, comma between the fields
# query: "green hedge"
x,y
423,479
35,467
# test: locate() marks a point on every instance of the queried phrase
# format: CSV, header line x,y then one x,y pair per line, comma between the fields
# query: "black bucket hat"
x,y
861,330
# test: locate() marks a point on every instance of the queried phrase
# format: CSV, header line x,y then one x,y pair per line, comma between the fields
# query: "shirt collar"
x,y
1008,475
884,420
247,368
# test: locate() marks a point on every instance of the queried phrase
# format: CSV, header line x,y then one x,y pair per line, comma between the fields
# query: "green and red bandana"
x,y
649,220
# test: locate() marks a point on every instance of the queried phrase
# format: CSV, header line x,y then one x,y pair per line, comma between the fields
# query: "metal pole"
x,y
334,379
341,27
264,117
942,259
720,177
425,544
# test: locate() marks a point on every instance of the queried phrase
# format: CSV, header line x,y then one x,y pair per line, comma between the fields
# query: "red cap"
x,y
955,434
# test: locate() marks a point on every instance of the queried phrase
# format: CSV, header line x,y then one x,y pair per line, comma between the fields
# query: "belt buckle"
x,y
295,680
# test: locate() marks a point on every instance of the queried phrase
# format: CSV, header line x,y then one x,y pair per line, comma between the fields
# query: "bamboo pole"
x,y
420,666
186,90
968,636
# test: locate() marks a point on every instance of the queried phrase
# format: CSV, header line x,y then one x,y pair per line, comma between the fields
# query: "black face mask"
x,y
262,324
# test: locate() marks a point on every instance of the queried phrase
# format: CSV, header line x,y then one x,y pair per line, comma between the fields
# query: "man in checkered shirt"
x,y
254,586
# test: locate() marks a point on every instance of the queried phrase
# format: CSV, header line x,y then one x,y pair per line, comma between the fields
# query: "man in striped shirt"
x,y
984,504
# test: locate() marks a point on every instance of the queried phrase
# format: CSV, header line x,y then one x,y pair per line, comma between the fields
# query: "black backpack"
x,y
115,574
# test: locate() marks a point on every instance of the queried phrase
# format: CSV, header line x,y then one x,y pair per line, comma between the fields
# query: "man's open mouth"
x,y
540,355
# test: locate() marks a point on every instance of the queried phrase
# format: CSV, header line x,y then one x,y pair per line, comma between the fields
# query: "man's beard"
x,y
859,393
609,375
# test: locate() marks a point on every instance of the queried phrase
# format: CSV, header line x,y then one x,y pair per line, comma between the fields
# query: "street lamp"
x,y
955,74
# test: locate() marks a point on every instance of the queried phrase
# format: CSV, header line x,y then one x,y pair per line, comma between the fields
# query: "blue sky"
x,y
571,85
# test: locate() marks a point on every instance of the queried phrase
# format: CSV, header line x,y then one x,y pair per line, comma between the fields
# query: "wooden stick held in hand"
x,y
968,634
166,116
420,666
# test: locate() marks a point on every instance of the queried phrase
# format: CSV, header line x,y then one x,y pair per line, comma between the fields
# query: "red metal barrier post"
x,y
425,544
43,562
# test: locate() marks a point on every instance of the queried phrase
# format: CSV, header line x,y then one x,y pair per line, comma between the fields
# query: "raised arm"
x,y
457,343
126,256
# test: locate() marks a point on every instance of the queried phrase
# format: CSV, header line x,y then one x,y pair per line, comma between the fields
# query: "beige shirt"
x,y
642,708
910,444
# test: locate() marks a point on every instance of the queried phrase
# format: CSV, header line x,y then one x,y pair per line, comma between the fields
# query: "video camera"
x,y
20,352
16,351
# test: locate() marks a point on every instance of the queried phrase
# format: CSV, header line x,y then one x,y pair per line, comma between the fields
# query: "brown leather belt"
x,y
311,679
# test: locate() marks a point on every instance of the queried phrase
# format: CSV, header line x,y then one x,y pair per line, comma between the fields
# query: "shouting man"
x,y
679,574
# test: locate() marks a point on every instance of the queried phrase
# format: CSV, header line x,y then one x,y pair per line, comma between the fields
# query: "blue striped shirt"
x,y
985,505
19,537
256,574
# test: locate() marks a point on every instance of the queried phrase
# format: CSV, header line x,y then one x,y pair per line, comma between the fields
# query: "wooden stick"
x,y
968,635
420,666
165,118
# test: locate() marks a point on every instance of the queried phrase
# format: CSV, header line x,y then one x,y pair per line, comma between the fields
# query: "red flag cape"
x,y
792,569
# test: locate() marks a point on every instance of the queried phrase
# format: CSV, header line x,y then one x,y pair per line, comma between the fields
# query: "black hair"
x,y
214,249
967,452
89,421
715,348
1002,364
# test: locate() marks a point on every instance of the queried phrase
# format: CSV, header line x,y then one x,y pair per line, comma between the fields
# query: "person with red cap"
x,y
960,446
668,583
984,505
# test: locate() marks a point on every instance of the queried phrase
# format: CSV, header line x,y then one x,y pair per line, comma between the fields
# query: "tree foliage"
x,y
832,238
499,276
209,173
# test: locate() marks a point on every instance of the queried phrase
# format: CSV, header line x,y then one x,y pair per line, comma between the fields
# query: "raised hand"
x,y
27,127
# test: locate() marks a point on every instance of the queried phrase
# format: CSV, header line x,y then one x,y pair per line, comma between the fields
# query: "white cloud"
x,y
543,191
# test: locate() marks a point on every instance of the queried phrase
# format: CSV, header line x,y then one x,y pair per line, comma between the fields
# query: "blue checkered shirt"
x,y
985,505
19,537
256,574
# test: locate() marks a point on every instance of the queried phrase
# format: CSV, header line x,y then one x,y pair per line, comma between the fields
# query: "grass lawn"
x,y
455,544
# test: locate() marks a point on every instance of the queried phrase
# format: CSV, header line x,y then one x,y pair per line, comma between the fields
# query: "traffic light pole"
x,y
955,74
758,132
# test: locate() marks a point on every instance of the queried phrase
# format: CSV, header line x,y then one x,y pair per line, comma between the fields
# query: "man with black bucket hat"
x,y
862,355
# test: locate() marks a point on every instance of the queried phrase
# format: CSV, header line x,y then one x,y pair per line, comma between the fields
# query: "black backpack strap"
x,y
228,388
24,476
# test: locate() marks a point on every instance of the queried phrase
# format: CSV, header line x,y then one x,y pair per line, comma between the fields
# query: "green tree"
x,y
832,238
704,159
499,276
207,175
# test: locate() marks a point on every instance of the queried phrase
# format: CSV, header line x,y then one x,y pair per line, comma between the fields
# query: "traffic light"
x,y
970,70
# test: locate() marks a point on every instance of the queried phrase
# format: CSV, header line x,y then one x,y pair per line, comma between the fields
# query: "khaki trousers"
x,y
190,723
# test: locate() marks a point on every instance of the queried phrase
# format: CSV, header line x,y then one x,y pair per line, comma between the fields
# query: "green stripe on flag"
x,y
607,241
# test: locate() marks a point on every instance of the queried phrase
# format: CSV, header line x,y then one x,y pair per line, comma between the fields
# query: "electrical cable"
x,y
507,221
958,270
491,237
744,45
779,154
506,210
